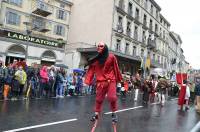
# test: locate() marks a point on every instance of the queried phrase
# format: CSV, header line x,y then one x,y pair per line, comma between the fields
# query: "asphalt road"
x,y
72,114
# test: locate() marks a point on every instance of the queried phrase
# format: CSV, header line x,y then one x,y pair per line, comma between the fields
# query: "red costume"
x,y
107,75
181,97
180,77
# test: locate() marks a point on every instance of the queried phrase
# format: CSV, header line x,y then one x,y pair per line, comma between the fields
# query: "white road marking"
x,y
196,128
107,113
42,125
173,99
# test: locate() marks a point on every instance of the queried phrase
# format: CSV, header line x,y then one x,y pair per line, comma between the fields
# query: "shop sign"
x,y
41,41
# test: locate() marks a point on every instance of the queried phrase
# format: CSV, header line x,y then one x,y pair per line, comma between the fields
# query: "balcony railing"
x,y
151,44
155,63
137,17
117,49
122,6
40,25
150,27
136,36
41,8
130,12
127,52
120,28
128,32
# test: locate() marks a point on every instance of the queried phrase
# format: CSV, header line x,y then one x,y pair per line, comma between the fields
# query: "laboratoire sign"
x,y
22,37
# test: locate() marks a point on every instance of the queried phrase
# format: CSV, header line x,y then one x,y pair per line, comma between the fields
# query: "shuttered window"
x,y
59,30
15,2
12,18
61,14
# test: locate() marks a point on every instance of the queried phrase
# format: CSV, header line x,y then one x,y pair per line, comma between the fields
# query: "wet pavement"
x,y
136,118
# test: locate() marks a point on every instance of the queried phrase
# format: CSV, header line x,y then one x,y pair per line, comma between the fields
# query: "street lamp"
x,y
28,32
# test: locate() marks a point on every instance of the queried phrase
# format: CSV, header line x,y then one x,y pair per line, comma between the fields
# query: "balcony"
x,y
151,44
156,33
155,63
40,25
121,9
145,24
128,32
41,8
144,40
127,52
130,14
137,19
120,28
136,36
118,49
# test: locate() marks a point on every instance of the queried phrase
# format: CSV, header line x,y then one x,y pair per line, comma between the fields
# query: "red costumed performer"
x,y
105,68
182,80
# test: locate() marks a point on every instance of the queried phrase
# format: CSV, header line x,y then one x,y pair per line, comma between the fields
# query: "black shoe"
x,y
94,118
114,118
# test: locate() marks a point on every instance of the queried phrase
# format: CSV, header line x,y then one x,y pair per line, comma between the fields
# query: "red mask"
x,y
100,47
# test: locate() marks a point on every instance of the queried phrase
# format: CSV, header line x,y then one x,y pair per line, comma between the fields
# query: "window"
x,y
159,59
118,45
119,25
137,13
161,20
128,30
59,30
62,5
143,37
121,4
130,7
12,18
160,32
142,52
163,34
37,23
136,33
154,57
151,25
134,51
151,9
61,14
145,4
156,28
156,14
145,20
15,2
127,48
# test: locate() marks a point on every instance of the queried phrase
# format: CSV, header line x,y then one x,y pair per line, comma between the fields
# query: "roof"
x,y
165,19
156,5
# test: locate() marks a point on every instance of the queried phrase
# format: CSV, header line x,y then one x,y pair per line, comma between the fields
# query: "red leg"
x,y
114,125
94,126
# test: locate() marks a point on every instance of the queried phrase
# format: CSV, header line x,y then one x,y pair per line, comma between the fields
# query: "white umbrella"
x,y
158,71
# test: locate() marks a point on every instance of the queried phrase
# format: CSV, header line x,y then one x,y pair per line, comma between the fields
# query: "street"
x,y
72,114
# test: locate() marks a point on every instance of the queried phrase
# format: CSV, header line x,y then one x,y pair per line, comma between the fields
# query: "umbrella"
x,y
78,70
61,66
158,71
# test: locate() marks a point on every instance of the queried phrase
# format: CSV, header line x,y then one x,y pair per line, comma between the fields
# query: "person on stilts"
x,y
105,68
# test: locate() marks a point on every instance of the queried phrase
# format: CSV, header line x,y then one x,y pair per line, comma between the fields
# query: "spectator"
x,y
197,93
21,77
44,79
59,82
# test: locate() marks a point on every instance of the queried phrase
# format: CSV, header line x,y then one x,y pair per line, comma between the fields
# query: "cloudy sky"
x,y
184,17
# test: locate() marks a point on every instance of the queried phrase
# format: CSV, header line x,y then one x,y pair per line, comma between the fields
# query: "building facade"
x,y
134,31
34,30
